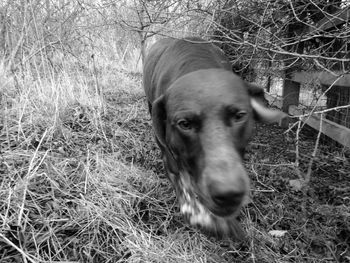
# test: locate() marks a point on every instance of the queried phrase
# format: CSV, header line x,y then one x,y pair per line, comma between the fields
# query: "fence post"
x,y
290,96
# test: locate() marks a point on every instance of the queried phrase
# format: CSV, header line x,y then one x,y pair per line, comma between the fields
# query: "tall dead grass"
x,y
66,195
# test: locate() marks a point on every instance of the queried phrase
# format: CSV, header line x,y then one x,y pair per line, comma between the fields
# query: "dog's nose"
x,y
226,197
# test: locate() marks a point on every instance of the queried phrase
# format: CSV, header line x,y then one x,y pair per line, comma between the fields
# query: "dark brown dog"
x,y
203,117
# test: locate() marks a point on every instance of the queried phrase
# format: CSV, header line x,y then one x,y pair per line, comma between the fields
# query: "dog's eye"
x,y
239,115
185,124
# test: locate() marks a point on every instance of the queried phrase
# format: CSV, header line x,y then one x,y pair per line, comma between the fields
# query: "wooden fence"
x,y
334,83
290,100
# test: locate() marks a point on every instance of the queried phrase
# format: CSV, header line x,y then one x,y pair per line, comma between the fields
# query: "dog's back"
x,y
169,59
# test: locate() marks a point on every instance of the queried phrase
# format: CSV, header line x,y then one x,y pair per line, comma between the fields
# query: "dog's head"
x,y
203,123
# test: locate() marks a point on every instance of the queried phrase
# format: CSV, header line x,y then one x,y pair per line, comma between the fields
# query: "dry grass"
x,y
81,181
69,190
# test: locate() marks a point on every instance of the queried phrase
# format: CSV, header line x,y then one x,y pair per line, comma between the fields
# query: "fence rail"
x,y
336,78
335,131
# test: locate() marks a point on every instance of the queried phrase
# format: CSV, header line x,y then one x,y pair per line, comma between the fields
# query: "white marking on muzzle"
x,y
198,215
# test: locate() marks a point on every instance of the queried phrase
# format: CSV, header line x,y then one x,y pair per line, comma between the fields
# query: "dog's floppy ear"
x,y
159,119
259,105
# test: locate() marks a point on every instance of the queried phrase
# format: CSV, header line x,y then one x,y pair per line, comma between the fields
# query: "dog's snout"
x,y
226,197
227,183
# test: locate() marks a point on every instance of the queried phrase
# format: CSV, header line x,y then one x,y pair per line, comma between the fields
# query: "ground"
x,y
91,188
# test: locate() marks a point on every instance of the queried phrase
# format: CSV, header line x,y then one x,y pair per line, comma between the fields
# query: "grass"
x,y
81,180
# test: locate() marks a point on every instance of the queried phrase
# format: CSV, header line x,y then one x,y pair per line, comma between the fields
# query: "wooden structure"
x,y
324,77
336,82
335,131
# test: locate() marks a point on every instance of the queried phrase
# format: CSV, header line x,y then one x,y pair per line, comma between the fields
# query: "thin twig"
x,y
322,111
297,156
311,161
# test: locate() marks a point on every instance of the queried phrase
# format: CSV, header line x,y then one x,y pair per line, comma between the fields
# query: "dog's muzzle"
x,y
198,215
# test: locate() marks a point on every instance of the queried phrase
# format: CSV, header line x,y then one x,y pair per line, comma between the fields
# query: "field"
x,y
81,180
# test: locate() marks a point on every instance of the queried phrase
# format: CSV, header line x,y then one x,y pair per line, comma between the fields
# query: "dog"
x,y
203,117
